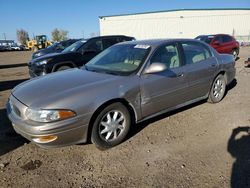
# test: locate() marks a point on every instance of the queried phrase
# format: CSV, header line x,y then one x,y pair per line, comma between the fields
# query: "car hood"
x,y
42,52
46,56
52,56
57,85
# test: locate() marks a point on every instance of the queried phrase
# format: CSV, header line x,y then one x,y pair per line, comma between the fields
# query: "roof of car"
x,y
214,34
155,42
107,36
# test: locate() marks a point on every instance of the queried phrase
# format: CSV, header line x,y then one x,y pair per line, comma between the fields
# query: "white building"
x,y
183,23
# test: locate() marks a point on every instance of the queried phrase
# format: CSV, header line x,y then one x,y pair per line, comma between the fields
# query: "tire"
x,y
63,67
235,53
218,89
106,132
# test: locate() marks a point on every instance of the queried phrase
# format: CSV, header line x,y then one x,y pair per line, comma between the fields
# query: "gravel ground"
x,y
196,146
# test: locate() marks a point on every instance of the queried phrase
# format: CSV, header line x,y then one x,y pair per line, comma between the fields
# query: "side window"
x,y
95,45
218,38
109,42
226,38
195,52
167,54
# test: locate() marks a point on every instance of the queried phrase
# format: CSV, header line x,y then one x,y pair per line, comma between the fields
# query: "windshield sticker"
x,y
142,46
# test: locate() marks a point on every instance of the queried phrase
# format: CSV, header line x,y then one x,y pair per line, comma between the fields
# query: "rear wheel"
x,y
235,53
218,89
111,126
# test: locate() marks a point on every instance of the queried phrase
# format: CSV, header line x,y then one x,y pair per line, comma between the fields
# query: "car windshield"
x,y
75,46
119,59
207,39
53,45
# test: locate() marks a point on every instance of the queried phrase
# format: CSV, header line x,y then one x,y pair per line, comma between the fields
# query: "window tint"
x,y
168,55
195,52
206,39
110,42
95,45
218,38
226,38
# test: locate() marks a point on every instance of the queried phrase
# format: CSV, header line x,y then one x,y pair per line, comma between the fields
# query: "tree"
x,y
59,35
22,36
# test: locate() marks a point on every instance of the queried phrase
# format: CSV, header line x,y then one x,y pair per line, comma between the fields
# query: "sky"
x,y
80,17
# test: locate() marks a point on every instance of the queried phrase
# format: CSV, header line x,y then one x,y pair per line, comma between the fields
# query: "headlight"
x,y
38,54
39,63
48,115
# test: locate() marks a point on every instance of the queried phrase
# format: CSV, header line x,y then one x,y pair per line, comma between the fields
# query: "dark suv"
x,y
54,48
76,55
223,43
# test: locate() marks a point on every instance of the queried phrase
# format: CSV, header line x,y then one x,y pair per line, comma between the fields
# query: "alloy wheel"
x,y
112,125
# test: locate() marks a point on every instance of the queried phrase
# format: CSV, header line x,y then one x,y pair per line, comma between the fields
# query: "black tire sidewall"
x,y
236,52
60,68
212,98
95,137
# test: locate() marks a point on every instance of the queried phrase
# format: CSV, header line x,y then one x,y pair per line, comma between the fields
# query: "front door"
x,y
163,90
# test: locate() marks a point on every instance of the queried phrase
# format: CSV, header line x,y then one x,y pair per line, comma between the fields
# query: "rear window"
x,y
207,39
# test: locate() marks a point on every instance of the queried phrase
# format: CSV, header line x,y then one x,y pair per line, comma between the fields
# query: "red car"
x,y
223,43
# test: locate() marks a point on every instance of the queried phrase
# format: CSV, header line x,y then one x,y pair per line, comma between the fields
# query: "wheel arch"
x,y
64,63
222,72
123,101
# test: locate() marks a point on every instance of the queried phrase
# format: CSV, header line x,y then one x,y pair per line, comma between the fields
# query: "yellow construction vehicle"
x,y
39,42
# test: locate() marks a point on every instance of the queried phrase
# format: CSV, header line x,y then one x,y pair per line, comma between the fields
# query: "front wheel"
x,y
111,126
218,89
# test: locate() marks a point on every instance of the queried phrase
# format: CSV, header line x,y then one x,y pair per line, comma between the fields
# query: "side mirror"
x,y
216,43
156,67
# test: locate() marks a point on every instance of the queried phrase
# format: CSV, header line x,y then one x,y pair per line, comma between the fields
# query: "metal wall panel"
x,y
178,24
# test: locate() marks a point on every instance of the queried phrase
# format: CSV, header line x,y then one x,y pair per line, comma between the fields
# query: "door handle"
x,y
213,65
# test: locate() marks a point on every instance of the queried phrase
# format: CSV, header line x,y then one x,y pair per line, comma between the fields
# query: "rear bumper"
x,y
231,75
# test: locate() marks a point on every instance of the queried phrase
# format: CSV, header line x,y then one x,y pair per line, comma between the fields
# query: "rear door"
x,y
200,66
219,45
227,42
163,90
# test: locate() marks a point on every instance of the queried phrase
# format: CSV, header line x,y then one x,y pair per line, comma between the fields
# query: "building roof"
x,y
8,41
175,10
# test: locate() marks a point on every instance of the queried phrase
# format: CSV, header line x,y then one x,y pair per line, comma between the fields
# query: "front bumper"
x,y
67,132
35,71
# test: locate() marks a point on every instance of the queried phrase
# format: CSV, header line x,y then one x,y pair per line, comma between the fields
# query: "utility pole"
x,y
4,36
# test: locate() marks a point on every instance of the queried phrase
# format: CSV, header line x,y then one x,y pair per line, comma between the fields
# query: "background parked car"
x,y
75,55
125,84
54,48
223,43
2,48
17,47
